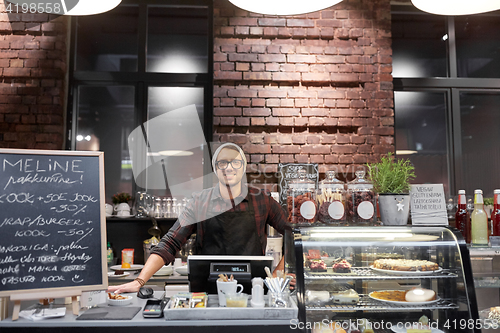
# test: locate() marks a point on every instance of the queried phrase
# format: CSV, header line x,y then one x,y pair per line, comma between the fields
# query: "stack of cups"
x,y
257,293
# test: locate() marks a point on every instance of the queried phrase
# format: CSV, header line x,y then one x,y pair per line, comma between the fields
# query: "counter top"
x,y
70,324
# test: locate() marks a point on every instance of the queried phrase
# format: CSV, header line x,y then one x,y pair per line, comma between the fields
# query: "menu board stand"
x,y
17,298
52,226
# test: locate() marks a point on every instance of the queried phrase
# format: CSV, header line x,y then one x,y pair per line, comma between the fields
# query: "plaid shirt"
x,y
209,203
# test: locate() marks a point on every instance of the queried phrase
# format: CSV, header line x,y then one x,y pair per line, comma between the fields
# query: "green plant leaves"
x,y
391,175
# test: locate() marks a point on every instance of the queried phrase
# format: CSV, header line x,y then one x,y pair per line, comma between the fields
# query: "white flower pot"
x,y
394,208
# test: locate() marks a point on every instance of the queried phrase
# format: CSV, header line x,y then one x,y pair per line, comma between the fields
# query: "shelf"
x,y
366,273
367,304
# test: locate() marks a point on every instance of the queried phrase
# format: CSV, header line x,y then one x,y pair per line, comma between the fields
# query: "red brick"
x,y
344,149
273,67
286,121
16,72
270,158
302,158
242,66
285,112
257,121
243,57
314,121
16,63
226,102
239,21
301,58
267,93
242,121
316,77
272,57
227,121
299,23
315,149
256,112
272,22
318,112
242,93
227,66
227,111
287,159
272,121
317,159
279,76
257,76
257,148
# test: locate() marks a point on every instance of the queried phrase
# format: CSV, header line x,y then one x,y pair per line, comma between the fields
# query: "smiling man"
x,y
228,219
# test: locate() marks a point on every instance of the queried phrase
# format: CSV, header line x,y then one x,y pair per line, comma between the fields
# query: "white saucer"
x,y
120,302
123,216
132,268
183,270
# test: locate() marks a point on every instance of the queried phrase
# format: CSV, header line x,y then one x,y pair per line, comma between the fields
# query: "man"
x,y
229,219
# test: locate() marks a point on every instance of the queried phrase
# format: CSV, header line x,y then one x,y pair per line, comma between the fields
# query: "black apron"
x,y
231,233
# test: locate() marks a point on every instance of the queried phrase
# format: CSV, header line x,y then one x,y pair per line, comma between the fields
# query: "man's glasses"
x,y
222,164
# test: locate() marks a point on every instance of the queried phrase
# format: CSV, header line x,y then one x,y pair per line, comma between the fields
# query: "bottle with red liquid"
x,y
495,214
462,217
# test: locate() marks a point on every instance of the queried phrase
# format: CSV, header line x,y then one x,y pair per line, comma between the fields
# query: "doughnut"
x,y
420,295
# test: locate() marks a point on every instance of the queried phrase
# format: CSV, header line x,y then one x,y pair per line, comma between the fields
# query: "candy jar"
x,y
331,200
360,200
301,199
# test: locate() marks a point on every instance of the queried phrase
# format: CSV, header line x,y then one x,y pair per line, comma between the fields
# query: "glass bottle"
x,y
168,213
175,213
157,210
109,255
495,214
301,199
479,221
462,217
331,200
360,200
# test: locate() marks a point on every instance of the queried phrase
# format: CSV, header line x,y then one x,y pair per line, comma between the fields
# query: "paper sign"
x,y
428,205
92,298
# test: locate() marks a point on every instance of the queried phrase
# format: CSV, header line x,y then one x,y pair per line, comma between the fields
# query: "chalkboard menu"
x,y
52,226
290,171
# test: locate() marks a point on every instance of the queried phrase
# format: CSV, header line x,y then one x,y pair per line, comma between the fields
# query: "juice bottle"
x,y
495,214
462,217
479,221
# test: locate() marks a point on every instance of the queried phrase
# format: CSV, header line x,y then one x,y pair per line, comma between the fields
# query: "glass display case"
x,y
389,277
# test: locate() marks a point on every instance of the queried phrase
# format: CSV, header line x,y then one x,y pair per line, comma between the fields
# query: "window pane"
x,y
108,42
477,46
480,139
177,40
105,119
421,134
417,45
174,142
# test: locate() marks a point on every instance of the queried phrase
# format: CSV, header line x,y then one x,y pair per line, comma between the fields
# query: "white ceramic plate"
x,y
124,216
132,267
391,272
183,270
112,274
165,270
403,330
402,303
120,302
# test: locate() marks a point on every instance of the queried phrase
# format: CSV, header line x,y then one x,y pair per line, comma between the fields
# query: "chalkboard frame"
x,y
70,290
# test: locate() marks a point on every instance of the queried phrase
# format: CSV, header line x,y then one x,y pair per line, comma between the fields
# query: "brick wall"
x,y
32,85
312,88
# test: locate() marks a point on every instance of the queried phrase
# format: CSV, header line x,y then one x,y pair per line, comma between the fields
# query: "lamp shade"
x,y
91,7
283,7
456,7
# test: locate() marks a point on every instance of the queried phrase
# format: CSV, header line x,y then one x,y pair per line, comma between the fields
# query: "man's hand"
x,y
131,287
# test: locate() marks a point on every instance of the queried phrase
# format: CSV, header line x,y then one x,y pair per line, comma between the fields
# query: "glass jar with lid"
x,y
331,200
301,199
360,200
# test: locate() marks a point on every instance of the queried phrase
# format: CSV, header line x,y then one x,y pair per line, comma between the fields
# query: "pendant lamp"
x,y
456,7
91,7
283,7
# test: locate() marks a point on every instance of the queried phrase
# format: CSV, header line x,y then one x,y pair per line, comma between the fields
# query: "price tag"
x,y
92,298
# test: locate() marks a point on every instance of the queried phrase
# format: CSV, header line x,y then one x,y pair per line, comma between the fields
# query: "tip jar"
x,y
331,199
301,199
360,200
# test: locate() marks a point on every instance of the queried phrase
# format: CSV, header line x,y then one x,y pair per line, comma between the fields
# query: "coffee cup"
x,y
109,209
230,287
122,206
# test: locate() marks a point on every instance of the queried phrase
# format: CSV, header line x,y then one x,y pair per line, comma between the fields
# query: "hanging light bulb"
x,y
283,7
456,7
91,7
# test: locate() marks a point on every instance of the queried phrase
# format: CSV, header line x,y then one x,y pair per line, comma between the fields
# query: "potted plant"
x,y
121,198
391,180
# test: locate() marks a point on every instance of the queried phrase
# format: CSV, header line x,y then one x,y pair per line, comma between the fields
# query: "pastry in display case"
x,y
384,279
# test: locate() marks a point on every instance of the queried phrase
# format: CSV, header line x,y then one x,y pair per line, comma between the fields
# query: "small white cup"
x,y
109,209
122,206
123,213
230,287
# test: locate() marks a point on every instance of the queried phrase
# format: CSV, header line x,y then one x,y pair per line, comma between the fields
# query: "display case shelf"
x,y
368,304
366,273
